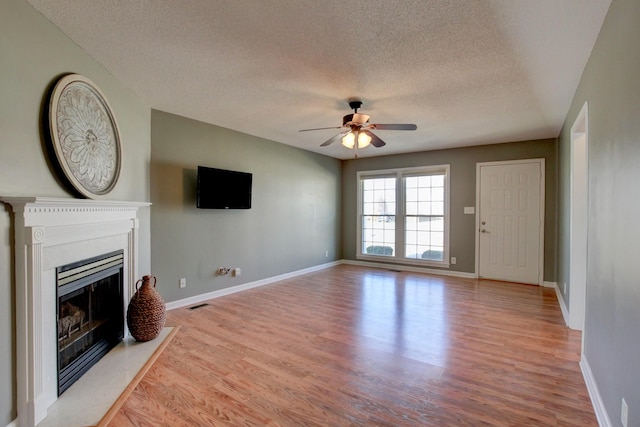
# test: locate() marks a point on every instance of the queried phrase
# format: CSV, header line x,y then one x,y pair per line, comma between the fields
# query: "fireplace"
x,y
90,316
50,233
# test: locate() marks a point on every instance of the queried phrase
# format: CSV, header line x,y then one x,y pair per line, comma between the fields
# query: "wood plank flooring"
x,y
352,346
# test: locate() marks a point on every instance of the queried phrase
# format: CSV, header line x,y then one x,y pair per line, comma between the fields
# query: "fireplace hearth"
x,y
90,314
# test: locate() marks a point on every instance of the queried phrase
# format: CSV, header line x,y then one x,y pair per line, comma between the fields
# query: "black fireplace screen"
x,y
90,314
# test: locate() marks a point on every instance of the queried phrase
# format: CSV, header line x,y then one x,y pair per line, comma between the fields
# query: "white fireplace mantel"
x,y
51,232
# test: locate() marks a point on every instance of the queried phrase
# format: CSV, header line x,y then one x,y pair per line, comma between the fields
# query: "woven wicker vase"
x,y
146,313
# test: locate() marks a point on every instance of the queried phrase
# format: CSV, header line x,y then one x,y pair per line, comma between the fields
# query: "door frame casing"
x,y
541,228
578,219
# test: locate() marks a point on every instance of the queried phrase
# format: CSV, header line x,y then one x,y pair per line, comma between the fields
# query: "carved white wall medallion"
x,y
85,136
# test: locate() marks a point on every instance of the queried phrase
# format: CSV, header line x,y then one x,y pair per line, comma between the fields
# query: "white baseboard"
x,y
409,268
13,423
563,305
239,288
596,399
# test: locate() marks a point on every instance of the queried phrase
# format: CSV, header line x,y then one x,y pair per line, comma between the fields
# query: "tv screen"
x,y
223,189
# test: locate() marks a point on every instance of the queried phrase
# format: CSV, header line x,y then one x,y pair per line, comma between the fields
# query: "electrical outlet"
x,y
326,254
453,260
624,413
183,282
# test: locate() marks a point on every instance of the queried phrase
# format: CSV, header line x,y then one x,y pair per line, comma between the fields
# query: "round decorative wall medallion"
x,y
85,136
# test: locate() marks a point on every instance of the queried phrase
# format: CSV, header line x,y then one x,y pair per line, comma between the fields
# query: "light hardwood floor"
x,y
358,346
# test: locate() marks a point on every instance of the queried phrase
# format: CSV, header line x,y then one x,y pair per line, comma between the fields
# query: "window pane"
x,y
368,208
367,196
391,209
437,208
378,220
424,208
424,181
437,238
411,194
424,225
437,180
378,235
437,194
390,196
437,224
423,237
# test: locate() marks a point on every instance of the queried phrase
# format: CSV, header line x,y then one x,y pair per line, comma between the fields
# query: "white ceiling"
x,y
467,72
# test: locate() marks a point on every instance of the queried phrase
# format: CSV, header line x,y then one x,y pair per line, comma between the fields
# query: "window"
x,y
403,215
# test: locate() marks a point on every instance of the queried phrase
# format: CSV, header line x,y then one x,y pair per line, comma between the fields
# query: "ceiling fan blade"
x,y
334,138
333,127
375,141
396,126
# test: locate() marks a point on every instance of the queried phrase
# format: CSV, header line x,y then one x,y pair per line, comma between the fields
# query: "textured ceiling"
x,y
467,72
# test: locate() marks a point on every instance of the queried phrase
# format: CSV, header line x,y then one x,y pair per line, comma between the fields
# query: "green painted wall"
x,y
610,85
33,54
463,193
294,219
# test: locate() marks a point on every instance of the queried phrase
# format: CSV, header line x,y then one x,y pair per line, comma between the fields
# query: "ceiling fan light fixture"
x,y
363,140
349,140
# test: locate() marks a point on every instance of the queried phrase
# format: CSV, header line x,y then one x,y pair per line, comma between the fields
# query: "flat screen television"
x,y
223,189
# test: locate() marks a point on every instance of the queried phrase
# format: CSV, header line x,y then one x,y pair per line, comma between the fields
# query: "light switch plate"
x,y
469,210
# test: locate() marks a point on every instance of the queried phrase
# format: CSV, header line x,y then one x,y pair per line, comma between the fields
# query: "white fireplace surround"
x,y
51,232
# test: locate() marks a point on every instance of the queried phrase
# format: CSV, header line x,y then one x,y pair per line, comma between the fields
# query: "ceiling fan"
x,y
356,130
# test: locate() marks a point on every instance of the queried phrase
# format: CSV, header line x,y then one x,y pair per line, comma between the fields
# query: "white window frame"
x,y
399,254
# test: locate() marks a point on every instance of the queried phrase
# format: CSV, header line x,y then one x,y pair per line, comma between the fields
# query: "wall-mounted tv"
x,y
223,189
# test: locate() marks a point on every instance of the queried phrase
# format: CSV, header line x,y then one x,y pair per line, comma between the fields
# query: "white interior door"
x,y
510,220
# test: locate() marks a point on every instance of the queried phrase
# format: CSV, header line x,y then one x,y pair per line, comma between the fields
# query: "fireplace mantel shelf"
x,y
50,211
68,203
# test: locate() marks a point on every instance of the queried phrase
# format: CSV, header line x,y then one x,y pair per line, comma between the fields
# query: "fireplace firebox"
x,y
90,314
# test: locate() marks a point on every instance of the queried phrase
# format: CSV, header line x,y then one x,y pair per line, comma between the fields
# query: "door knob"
x,y
483,231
